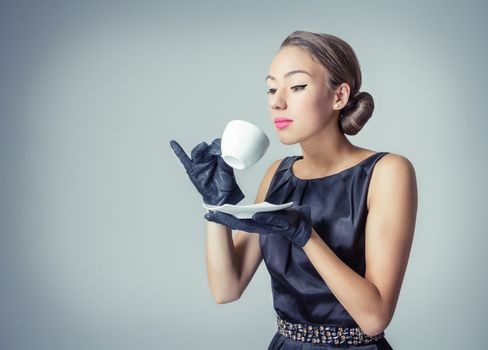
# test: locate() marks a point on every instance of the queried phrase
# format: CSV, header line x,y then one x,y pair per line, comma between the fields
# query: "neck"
x,y
326,151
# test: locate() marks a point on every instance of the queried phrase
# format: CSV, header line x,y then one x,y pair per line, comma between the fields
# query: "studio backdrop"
x,y
102,236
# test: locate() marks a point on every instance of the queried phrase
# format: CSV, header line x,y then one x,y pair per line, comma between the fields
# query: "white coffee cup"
x,y
243,144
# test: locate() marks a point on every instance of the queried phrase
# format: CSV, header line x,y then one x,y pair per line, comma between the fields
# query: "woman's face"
x,y
300,97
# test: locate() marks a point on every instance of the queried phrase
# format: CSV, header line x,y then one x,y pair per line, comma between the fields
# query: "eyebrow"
x,y
289,73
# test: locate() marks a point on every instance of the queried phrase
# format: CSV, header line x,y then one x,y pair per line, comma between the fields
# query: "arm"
x,y
390,224
221,261
231,263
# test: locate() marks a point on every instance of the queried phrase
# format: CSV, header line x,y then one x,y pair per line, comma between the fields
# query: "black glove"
x,y
295,223
210,174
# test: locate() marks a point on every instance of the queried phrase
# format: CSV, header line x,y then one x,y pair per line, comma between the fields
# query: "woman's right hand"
x,y
212,176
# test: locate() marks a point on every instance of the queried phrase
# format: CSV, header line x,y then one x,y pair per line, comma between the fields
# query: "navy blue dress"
x,y
339,210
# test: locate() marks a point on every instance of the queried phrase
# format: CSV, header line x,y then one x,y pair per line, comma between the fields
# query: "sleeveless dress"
x,y
339,210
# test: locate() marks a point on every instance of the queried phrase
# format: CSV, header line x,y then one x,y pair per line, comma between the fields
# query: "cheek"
x,y
312,107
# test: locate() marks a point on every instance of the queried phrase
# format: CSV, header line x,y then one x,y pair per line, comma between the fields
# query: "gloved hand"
x,y
295,223
210,174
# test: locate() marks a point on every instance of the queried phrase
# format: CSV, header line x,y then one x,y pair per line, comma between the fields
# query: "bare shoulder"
x,y
266,181
392,162
273,166
393,169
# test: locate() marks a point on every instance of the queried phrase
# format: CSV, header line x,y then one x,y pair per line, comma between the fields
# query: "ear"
x,y
341,96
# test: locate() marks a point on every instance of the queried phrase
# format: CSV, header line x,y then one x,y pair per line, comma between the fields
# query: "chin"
x,y
287,140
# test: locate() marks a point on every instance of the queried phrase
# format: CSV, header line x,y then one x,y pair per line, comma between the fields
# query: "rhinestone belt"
x,y
324,334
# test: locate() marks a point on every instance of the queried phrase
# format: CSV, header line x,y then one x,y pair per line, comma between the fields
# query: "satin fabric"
x,y
339,211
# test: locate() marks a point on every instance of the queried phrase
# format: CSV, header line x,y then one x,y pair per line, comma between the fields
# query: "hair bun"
x,y
356,113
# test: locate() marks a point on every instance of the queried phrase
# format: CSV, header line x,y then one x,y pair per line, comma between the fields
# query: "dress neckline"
x,y
295,158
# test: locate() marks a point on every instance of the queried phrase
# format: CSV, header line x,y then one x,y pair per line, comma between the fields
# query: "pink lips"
x,y
281,123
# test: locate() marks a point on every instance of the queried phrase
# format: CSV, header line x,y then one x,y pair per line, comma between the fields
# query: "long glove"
x,y
295,223
212,176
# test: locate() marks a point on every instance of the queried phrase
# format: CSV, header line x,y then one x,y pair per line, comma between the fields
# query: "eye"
x,y
299,87
295,88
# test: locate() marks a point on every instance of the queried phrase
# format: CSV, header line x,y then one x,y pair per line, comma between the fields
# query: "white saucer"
x,y
246,211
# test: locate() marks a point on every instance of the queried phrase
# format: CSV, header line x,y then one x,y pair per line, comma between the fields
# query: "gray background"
x,y
102,241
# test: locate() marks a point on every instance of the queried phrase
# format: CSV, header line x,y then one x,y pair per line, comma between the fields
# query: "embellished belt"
x,y
316,333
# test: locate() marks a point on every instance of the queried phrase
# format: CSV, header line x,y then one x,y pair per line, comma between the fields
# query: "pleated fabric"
x,y
339,211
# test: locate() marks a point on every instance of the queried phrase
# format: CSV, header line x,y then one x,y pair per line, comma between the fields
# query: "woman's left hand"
x,y
295,223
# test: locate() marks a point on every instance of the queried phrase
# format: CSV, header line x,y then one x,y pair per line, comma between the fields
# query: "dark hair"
x,y
341,63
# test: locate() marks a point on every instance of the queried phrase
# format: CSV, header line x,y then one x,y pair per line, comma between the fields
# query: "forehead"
x,y
292,57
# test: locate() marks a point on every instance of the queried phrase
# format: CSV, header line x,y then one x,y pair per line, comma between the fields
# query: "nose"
x,y
277,101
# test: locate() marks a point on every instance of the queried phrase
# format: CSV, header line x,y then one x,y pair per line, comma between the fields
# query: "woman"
x,y
337,258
